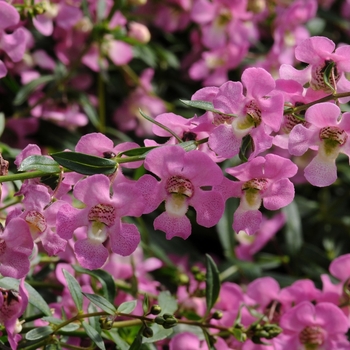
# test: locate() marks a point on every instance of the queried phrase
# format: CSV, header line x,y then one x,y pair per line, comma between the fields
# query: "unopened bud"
x,y
139,32
156,310
217,315
147,332
159,320
106,322
183,279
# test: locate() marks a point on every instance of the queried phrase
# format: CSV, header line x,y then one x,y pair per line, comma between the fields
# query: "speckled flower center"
x,y
104,213
290,121
333,133
255,184
179,185
254,112
222,119
312,337
317,80
36,222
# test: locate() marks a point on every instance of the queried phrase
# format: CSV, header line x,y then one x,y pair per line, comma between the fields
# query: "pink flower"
x,y
308,326
182,177
262,180
16,245
327,132
101,219
12,306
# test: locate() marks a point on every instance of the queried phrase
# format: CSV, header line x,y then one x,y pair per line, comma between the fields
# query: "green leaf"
x,y
159,333
246,147
238,334
39,333
93,335
101,9
212,284
141,151
167,302
41,163
35,298
75,290
145,304
127,307
327,75
89,110
106,280
208,339
102,303
117,339
137,343
26,90
205,105
2,123
94,321
85,164
293,229
188,145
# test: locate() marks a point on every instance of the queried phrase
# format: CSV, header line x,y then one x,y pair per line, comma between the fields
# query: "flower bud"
x,y
217,315
156,310
106,322
147,332
159,320
139,32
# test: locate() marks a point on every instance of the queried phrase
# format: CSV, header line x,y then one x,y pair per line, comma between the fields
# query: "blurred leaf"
x,y
208,339
26,90
127,307
102,303
145,304
137,343
93,335
39,333
188,145
246,147
106,280
94,321
89,109
2,123
167,303
327,75
159,333
238,334
205,105
212,284
117,339
41,163
224,227
146,54
101,10
293,229
74,289
141,151
85,164
35,298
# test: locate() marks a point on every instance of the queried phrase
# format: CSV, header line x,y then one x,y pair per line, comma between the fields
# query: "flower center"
x,y
179,185
104,213
255,184
36,221
317,80
222,119
254,112
312,337
290,121
333,133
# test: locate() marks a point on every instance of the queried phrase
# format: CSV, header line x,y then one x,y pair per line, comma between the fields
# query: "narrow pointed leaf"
x,y
26,90
85,164
127,307
205,105
137,343
208,340
102,303
39,333
107,282
94,336
41,163
75,290
212,284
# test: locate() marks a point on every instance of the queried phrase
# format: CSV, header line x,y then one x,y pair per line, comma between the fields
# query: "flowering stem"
x,y
298,109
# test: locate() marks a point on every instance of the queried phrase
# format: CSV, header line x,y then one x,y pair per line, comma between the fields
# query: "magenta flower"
x,y
261,180
16,245
250,245
307,326
327,132
101,219
318,52
12,306
256,114
182,177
